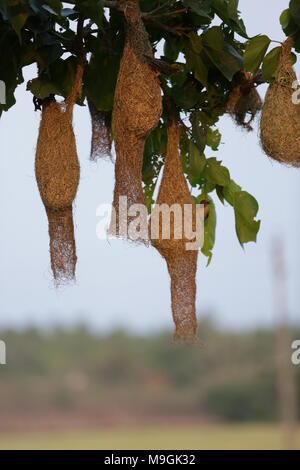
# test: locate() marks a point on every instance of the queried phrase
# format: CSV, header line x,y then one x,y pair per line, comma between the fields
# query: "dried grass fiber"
x,y
137,110
101,136
244,102
57,173
181,263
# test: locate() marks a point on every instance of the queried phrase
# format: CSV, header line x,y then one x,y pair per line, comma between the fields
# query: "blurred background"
x,y
93,365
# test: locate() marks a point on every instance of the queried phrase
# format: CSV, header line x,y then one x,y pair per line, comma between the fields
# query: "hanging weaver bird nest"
x,y
137,110
280,120
244,101
101,137
181,263
57,173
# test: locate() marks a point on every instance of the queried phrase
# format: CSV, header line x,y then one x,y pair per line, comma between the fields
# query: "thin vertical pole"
x,y
285,372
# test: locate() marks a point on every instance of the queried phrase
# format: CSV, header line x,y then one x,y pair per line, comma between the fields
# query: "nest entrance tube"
x,y
280,119
101,138
181,262
57,173
137,110
62,244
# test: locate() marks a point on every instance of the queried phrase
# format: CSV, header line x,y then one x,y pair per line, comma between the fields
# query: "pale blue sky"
x,y
121,285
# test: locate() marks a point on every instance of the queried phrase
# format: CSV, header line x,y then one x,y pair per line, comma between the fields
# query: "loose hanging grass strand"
x,y
101,137
244,102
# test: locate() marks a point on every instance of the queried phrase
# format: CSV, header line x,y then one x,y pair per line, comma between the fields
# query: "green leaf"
x,y
199,133
201,8
216,173
100,80
270,64
92,9
228,61
195,42
295,11
255,52
228,11
200,71
41,88
172,47
230,190
213,139
209,229
213,39
187,96
55,5
196,64
17,13
220,193
197,161
285,18
245,209
63,75
48,54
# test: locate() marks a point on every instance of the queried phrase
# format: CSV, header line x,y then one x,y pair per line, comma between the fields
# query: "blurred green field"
x,y
210,437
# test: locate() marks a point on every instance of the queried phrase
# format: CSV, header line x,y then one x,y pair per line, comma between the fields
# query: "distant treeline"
x,y
228,376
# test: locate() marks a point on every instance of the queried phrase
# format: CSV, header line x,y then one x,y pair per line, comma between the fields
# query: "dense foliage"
x,y
205,47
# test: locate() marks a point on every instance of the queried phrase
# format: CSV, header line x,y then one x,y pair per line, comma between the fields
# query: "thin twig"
x,y
168,13
160,7
112,4
176,30
80,40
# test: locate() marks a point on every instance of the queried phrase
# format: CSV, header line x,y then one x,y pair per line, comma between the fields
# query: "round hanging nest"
x,y
137,110
57,173
280,119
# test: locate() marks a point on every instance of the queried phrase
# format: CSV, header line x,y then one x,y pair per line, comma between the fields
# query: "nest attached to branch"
x,y
57,173
101,136
181,263
244,102
280,120
137,110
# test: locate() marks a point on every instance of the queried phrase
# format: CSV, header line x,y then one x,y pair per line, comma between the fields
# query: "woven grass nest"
x,y
280,120
57,173
137,110
181,263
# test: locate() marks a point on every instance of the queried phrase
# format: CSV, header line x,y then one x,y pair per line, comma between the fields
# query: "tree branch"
x,y
112,4
80,40
176,30
160,7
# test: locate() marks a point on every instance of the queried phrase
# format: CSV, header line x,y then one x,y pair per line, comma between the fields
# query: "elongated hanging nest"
x,y
57,173
280,120
137,110
181,263
101,136
244,102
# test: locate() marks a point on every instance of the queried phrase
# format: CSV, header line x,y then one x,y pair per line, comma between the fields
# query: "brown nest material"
x,y
57,173
101,135
244,102
137,110
181,263
280,120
